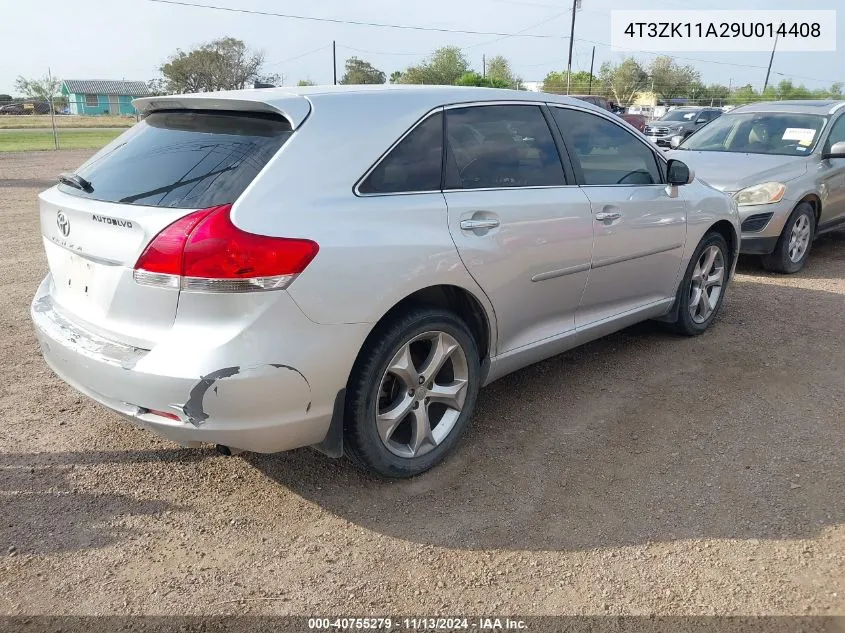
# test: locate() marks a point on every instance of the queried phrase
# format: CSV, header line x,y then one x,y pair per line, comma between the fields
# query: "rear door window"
x,y
185,159
498,146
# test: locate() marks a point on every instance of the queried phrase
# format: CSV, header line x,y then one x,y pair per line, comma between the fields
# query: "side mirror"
x,y
837,150
675,141
678,173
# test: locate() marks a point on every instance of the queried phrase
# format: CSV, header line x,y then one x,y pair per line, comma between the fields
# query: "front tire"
x,y
793,247
411,393
702,289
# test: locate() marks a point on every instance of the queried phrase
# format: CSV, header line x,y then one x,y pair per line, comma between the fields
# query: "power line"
x,y
520,32
383,25
445,30
369,52
290,59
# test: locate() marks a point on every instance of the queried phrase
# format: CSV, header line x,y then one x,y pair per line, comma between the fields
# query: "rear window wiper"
x,y
76,181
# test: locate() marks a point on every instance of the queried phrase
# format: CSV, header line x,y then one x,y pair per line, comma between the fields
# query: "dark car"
x,y
636,120
679,122
12,108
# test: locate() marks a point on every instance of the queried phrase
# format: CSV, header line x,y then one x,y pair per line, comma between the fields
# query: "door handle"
x,y
604,216
475,225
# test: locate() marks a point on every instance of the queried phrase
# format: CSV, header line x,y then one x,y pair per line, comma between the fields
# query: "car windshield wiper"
x,y
76,181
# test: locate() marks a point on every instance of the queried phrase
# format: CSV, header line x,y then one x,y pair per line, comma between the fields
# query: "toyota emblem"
x,y
63,223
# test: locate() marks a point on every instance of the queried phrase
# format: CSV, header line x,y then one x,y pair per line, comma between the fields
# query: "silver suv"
x,y
784,164
346,267
679,122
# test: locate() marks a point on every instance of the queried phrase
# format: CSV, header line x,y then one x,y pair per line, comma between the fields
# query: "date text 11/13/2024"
x,y
417,624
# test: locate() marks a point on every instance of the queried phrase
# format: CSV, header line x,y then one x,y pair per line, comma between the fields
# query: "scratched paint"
x,y
245,392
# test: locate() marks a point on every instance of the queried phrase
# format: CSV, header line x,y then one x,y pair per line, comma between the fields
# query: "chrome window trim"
x,y
443,108
473,104
567,186
496,102
386,153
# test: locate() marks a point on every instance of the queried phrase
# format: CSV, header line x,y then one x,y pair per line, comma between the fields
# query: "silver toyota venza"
x,y
346,267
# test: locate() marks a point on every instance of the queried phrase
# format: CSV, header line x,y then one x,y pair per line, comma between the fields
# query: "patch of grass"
x,y
9,121
28,140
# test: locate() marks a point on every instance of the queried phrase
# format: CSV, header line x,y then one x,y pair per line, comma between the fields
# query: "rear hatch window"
x,y
183,159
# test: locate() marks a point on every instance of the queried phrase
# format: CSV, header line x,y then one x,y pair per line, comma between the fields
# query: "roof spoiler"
x,y
293,107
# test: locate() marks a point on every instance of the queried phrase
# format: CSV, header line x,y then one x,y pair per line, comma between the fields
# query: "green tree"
x,y
360,72
43,89
499,71
305,82
555,82
396,77
624,80
157,87
716,93
744,94
222,64
473,78
670,80
444,67
5,97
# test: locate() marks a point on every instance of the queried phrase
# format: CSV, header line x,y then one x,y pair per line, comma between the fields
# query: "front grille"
x,y
756,222
658,131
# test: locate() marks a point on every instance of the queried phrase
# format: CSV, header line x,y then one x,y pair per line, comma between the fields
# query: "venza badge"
x,y
63,223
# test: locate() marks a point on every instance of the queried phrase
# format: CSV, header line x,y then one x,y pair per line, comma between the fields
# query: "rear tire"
x,y
411,392
702,289
795,242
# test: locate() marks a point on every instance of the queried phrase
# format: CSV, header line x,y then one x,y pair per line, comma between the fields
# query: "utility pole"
x,y
484,66
52,109
334,61
592,60
771,59
575,5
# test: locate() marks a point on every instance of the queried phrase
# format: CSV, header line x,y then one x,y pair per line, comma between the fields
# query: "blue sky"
x,y
129,39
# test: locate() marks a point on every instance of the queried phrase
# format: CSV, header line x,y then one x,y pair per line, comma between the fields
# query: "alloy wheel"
x,y
708,280
421,394
799,239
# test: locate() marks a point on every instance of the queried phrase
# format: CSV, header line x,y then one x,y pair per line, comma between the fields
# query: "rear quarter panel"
x,y
374,250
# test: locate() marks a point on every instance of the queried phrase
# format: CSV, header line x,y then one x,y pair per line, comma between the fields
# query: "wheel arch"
x,y
464,303
460,301
813,200
727,230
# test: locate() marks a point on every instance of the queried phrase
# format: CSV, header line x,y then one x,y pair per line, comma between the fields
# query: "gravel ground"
x,y
641,474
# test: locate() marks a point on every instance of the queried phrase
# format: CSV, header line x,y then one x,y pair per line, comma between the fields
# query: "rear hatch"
x,y
168,166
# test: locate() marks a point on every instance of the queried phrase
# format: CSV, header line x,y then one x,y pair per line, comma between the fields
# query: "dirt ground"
x,y
641,474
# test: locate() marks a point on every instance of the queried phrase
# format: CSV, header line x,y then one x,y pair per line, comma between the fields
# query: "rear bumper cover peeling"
x,y
264,407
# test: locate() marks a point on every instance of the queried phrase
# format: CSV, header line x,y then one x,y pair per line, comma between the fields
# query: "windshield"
x,y
783,134
680,115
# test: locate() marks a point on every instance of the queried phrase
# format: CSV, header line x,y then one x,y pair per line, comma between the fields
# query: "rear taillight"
x,y
205,252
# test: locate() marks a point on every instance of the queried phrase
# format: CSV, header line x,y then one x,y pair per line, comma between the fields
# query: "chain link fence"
x,y
30,125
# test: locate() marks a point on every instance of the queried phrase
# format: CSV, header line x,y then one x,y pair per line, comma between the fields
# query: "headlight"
x,y
764,193
677,128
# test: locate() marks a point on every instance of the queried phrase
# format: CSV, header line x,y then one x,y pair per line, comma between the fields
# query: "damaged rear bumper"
x,y
250,384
